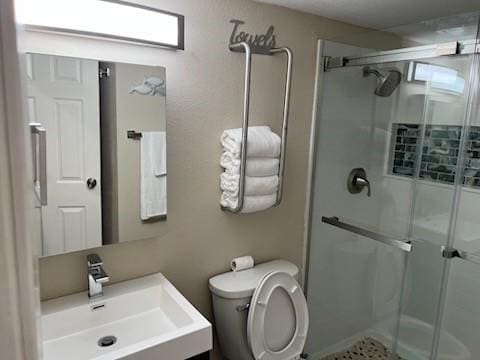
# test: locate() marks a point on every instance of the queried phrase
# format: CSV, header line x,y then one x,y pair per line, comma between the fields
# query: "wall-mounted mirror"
x,y
99,151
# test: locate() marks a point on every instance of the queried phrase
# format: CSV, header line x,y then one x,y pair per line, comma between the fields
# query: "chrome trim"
x,y
404,245
410,53
286,108
241,308
96,276
451,253
246,113
470,46
312,155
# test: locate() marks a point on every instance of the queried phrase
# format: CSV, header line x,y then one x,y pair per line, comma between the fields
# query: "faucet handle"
x,y
94,260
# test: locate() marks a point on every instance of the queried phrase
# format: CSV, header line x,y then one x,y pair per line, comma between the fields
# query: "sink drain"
x,y
107,341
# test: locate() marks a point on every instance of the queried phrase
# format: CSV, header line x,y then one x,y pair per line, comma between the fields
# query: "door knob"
x,y
91,183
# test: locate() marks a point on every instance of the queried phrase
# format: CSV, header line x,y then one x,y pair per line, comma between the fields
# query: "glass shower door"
x,y
423,165
445,84
357,262
459,325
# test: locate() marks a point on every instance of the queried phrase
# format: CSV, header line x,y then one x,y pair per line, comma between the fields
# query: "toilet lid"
x,y
277,319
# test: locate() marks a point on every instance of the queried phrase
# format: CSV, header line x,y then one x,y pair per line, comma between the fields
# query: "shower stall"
x,y
394,238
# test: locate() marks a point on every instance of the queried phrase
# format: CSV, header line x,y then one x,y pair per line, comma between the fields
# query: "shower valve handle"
x,y
362,182
357,181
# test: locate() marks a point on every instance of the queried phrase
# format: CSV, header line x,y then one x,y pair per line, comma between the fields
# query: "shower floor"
x,y
365,349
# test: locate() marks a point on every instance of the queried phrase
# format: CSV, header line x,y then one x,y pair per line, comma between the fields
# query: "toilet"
x,y
260,313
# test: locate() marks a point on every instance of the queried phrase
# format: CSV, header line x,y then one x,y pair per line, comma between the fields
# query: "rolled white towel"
x,y
262,142
254,166
250,203
264,185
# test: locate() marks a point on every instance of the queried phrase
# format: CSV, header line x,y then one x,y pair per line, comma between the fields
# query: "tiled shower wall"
x,y
439,155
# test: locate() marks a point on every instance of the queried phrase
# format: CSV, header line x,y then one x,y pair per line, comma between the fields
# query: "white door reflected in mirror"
x,y
104,187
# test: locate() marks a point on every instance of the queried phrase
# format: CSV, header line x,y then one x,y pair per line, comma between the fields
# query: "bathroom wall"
x,y
204,97
132,112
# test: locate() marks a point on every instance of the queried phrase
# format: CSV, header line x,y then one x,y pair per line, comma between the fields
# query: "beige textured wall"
x,y
204,97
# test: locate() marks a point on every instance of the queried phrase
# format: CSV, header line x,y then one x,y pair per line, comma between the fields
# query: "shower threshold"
x,y
364,349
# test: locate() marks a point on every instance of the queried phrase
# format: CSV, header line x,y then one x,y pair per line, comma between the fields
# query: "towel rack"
x,y
245,47
134,135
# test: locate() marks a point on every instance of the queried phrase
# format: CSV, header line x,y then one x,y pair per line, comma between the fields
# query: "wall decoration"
x,y
259,43
151,85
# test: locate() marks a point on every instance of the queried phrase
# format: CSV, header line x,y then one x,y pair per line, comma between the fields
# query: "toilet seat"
x,y
295,318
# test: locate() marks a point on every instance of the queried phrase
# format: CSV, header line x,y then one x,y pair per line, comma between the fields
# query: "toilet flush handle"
x,y
244,307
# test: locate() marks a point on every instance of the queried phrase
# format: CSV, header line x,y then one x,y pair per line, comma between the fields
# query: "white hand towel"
x,y
264,185
262,142
254,167
153,189
159,152
250,203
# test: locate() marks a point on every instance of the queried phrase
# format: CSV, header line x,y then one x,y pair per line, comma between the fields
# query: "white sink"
x,y
148,316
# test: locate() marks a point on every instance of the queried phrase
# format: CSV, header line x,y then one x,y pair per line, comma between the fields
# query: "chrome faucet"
x,y
96,276
357,181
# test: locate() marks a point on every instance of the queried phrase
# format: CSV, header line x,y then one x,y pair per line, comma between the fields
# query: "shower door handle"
x,y
404,245
450,253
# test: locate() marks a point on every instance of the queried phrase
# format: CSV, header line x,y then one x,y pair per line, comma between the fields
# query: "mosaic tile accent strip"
x,y
365,349
439,154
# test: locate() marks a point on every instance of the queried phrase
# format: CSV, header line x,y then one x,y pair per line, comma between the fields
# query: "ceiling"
x,y
380,14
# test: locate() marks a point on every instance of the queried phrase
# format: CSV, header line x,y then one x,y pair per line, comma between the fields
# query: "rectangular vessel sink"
x,y
148,317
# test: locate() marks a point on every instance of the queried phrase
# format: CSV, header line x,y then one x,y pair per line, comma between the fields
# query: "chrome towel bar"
x,y
404,245
134,135
286,112
245,47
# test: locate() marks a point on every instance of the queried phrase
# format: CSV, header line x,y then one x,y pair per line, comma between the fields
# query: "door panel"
x,y
461,313
70,139
355,282
63,96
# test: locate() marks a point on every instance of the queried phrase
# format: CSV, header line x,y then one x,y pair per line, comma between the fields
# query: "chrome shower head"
x,y
388,82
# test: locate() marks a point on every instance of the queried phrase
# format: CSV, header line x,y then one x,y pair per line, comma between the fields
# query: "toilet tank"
x,y
231,292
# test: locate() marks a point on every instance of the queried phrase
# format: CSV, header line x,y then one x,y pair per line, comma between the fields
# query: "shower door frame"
x,y
451,48
312,154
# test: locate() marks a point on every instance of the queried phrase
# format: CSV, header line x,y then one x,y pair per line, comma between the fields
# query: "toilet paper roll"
x,y
242,263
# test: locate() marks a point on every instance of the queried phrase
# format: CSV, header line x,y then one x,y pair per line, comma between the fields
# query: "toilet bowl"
x,y
260,313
